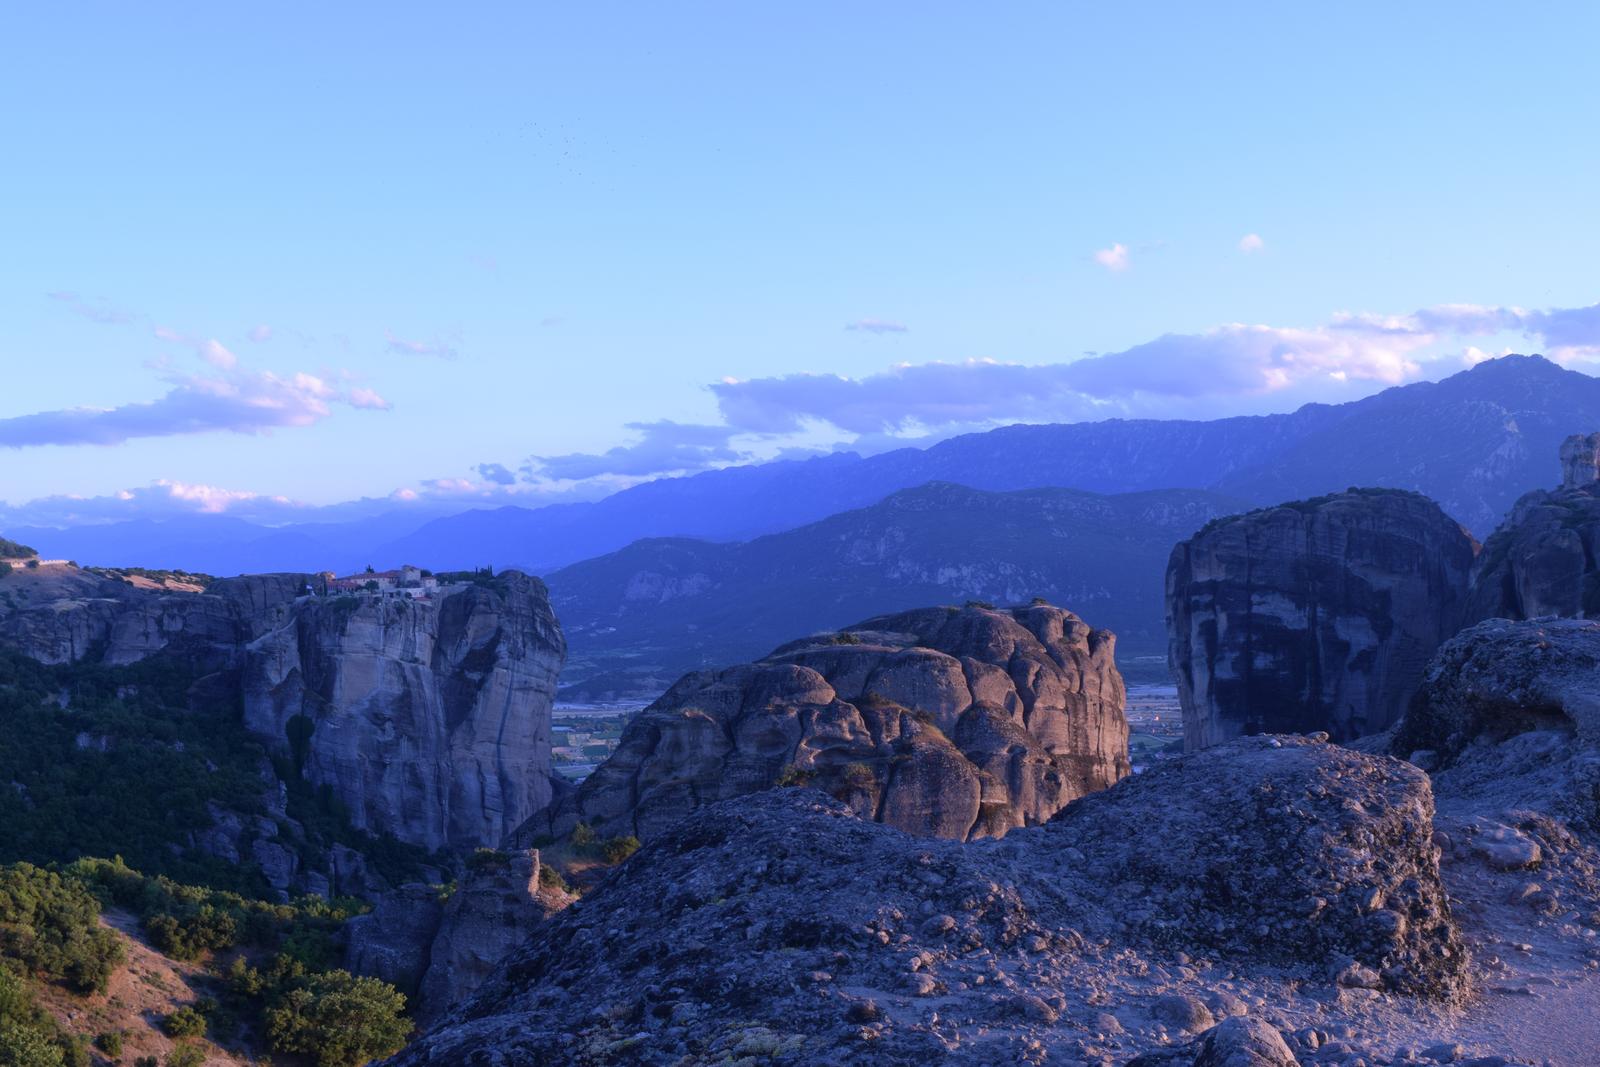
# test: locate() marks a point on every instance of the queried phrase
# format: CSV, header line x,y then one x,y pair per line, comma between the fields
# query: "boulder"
x,y
1314,616
943,722
1541,560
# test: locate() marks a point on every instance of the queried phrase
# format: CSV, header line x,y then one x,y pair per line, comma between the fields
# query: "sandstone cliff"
x,y
429,718
776,927
1317,615
441,951
1542,559
942,722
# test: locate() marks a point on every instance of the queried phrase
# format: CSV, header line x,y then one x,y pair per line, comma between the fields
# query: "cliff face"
x,y
1318,615
71,615
429,718
942,722
1543,558
440,952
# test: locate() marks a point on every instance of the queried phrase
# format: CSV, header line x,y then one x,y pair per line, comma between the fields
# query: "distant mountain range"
x,y
1474,442
637,618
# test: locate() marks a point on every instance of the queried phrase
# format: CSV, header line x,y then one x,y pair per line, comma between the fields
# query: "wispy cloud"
x,y
497,474
97,310
436,347
1229,368
663,447
260,332
1252,243
1114,258
230,398
877,326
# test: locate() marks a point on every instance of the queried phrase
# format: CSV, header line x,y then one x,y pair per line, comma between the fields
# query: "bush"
x,y
794,776
15,549
110,1043
186,1056
185,1022
22,1046
487,859
339,1020
617,849
29,1036
550,878
583,836
51,926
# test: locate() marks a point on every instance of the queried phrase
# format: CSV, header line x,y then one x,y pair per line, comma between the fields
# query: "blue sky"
x,y
479,236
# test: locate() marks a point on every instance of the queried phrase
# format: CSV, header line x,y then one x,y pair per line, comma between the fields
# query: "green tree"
x,y
22,1046
339,1020
51,925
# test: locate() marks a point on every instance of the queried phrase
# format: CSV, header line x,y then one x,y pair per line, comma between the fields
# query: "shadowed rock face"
x,y
102,620
429,718
1543,558
439,952
839,936
942,722
1317,615
1528,689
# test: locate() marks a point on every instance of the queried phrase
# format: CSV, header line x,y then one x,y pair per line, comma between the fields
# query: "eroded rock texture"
x,y
429,718
1543,558
1508,718
942,722
87,617
440,948
779,926
1316,615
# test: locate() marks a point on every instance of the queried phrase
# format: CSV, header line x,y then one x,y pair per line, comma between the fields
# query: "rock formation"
x,y
1542,559
429,718
942,722
1580,461
1316,615
779,927
1511,710
441,950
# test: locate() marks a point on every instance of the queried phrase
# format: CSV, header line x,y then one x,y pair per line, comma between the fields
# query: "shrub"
x,y
186,1055
110,1043
50,925
22,1046
15,549
859,776
617,849
5,569
583,836
185,1022
339,1020
792,775
487,859
550,878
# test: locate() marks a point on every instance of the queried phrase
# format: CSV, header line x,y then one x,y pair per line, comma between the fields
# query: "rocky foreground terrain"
x,y
943,722
1267,901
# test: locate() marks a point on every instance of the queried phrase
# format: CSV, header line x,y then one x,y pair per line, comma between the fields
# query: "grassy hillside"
x,y
100,963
